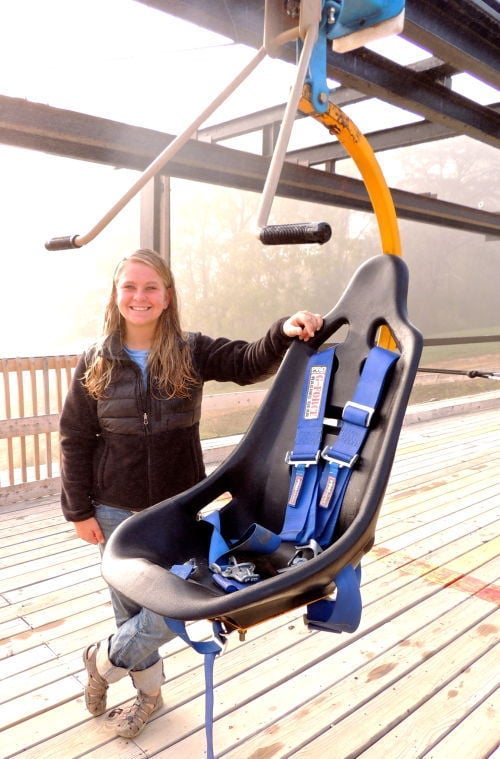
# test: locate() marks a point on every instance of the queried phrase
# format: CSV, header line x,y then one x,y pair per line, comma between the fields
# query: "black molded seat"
x,y
141,551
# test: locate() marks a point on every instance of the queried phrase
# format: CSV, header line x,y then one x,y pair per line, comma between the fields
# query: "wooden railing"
x,y
32,393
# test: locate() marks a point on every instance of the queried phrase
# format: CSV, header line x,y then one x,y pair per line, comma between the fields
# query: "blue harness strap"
x,y
257,539
358,413
343,614
227,573
342,456
299,522
209,648
299,518
218,545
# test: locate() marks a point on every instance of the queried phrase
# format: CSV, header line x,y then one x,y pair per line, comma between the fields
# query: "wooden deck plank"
x,y
36,676
416,674
43,545
22,509
21,534
411,500
12,665
442,712
51,602
50,584
471,736
77,626
352,734
481,519
26,572
280,716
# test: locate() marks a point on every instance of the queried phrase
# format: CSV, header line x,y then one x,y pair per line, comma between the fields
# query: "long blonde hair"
x,y
169,362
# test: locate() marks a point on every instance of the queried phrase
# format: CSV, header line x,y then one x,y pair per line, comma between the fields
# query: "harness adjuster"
x,y
340,462
305,553
204,631
302,554
369,411
241,572
301,462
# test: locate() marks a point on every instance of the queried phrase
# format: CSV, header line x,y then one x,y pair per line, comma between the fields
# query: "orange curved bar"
x,y
358,147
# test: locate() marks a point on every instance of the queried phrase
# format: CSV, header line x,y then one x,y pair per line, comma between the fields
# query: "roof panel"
x,y
463,34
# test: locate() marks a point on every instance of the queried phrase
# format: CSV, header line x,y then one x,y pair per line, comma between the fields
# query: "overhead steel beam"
x,y
378,77
239,20
340,96
75,135
253,122
465,34
384,139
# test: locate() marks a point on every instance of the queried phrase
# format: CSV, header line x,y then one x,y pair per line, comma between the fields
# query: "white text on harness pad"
x,y
314,392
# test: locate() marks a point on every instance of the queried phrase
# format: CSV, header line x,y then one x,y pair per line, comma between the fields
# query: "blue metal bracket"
x,y
355,15
341,18
316,76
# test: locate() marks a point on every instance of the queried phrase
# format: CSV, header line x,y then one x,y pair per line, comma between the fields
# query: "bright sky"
x,y
122,60
117,59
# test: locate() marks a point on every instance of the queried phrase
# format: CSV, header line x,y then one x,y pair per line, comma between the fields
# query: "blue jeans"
x,y
140,631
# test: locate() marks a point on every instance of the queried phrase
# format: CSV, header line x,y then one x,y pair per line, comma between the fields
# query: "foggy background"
x,y
125,61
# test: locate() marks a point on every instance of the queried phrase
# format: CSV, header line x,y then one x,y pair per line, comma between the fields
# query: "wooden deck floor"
x,y
418,679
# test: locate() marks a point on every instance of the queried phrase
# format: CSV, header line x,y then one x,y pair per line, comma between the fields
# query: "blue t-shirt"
x,y
141,359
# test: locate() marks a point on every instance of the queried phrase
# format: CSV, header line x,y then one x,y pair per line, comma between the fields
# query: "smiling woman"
x,y
141,297
130,438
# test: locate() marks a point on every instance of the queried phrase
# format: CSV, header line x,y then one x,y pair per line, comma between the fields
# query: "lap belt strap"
x,y
256,539
342,614
209,648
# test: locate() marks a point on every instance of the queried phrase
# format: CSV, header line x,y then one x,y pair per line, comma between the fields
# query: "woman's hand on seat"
x,y
303,325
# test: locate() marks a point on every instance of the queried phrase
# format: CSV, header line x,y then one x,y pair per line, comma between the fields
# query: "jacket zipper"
x,y
147,431
144,397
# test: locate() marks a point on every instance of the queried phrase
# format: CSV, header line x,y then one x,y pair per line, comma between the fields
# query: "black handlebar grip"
x,y
296,234
62,243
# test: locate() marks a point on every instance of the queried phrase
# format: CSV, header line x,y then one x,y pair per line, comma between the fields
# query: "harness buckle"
x,y
241,572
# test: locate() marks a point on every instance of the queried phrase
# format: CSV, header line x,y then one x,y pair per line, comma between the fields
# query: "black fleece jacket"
x,y
133,449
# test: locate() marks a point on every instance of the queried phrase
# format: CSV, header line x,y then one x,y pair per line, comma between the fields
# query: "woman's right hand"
x,y
89,530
